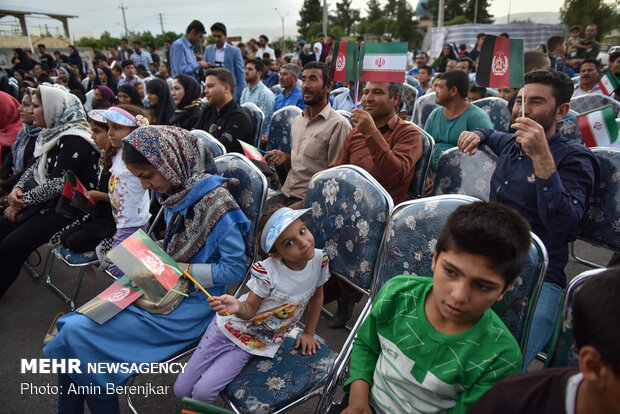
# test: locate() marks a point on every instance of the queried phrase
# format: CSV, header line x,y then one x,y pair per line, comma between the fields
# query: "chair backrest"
x,y
410,94
215,147
591,101
349,212
492,92
250,193
257,116
497,110
409,246
460,173
338,91
564,352
601,222
410,80
416,188
277,89
576,80
570,128
347,115
423,108
280,128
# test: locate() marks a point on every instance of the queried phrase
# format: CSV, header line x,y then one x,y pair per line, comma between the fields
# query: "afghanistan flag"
x,y
608,82
383,62
501,63
598,127
251,152
111,301
74,200
344,62
147,265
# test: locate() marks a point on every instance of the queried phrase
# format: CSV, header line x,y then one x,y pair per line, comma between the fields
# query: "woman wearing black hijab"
x,y
21,60
186,97
105,77
160,100
128,94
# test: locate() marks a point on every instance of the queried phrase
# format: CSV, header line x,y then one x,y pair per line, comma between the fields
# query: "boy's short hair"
x,y
553,42
480,90
126,63
259,66
224,76
595,314
491,230
457,79
196,26
427,69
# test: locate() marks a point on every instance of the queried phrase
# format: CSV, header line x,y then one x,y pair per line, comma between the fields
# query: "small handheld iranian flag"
x,y
147,265
383,62
608,82
111,301
344,62
501,63
598,127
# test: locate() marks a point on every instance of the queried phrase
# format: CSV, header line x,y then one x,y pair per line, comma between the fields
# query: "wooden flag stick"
x,y
199,286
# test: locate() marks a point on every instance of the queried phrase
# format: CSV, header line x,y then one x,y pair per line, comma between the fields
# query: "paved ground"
x,y
29,306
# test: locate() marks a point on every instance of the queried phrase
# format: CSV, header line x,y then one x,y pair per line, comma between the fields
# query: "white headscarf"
x,y
317,55
64,115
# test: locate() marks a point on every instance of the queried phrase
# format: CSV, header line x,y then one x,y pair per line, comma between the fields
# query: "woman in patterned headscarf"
x,y
204,234
64,143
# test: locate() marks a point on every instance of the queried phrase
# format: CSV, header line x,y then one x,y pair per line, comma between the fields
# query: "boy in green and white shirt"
x,y
434,345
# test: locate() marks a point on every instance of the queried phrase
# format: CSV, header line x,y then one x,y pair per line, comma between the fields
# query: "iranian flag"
x,y
111,301
501,63
251,152
147,265
344,62
608,82
383,62
598,127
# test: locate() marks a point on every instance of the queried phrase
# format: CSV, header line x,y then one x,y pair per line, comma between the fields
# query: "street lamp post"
x,y
281,17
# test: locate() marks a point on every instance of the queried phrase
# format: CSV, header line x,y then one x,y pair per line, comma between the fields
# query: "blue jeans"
x,y
543,322
73,403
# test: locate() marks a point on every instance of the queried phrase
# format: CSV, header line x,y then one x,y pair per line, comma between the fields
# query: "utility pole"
x,y
442,5
476,12
161,22
282,44
325,17
123,8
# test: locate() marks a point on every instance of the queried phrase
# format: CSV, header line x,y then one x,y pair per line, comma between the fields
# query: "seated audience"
x,y
160,100
256,91
128,94
476,93
589,72
425,74
186,97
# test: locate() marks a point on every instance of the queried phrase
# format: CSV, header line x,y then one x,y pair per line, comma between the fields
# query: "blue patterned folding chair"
x,y
347,115
257,116
563,351
423,108
497,110
338,91
277,89
591,101
349,213
460,173
416,188
251,195
280,128
410,80
408,97
576,80
600,224
215,147
570,128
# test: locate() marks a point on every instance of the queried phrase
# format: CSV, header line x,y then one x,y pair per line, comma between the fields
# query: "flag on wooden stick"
x,y
344,62
608,82
598,127
501,63
383,62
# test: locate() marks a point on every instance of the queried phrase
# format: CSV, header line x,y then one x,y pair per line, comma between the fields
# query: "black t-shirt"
x,y
228,125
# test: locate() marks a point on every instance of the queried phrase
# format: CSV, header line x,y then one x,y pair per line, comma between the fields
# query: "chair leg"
x,y
129,403
76,288
580,260
30,268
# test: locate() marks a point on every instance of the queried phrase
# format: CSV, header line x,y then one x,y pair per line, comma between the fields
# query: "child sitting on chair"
x,y
256,324
432,345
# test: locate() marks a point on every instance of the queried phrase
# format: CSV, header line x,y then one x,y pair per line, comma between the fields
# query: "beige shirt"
x,y
315,146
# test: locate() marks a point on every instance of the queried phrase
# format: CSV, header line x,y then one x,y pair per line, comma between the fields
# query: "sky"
x,y
248,18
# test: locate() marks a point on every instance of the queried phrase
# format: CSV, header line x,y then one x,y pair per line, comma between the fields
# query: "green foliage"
x,y
454,8
396,21
107,40
583,12
345,16
373,10
316,28
311,12
457,20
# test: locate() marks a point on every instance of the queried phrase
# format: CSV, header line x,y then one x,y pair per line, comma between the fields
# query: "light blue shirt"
x,y
295,97
143,58
182,59
262,97
344,101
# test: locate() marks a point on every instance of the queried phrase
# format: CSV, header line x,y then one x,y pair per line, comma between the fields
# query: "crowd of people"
x,y
123,127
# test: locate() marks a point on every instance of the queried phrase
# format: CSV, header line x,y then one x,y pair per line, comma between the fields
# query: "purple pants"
x,y
119,237
214,364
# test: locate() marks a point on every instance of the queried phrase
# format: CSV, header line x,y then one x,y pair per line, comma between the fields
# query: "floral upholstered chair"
x,y
408,98
590,101
497,110
570,128
416,188
215,147
258,121
280,128
349,213
423,108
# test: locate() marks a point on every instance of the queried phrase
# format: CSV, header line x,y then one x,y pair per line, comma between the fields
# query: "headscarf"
x,y
165,106
317,55
132,92
64,115
24,136
198,221
10,121
107,94
74,83
190,100
110,82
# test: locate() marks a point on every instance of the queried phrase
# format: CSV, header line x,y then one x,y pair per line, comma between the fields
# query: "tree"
x,y
345,16
374,11
454,8
584,12
311,12
317,28
405,28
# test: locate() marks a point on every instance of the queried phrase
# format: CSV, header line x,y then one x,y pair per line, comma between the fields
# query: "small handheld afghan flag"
x,y
251,152
111,301
344,62
383,62
74,200
608,82
598,127
147,265
501,63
